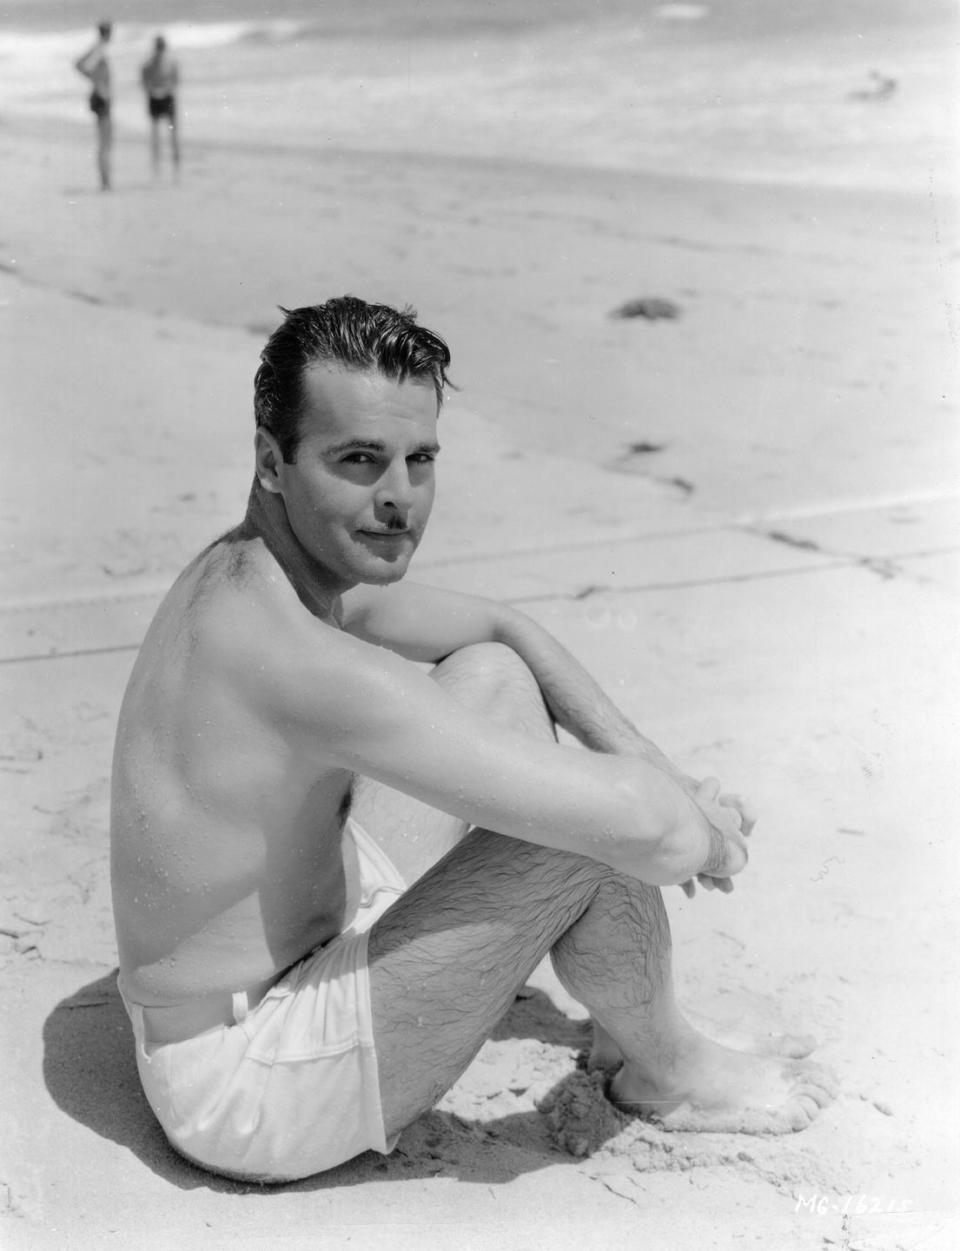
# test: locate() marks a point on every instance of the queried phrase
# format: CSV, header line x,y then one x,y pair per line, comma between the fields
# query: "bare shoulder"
x,y
246,620
228,609
234,639
236,605
233,645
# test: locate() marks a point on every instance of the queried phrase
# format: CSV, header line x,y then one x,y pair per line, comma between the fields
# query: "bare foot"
x,y
732,1034
790,1046
605,1054
713,1089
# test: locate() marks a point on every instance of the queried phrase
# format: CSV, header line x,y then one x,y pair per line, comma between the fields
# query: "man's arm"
x,y
426,624
360,708
86,64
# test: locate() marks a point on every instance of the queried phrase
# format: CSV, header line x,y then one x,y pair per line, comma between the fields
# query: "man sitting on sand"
x,y
96,66
334,870
160,77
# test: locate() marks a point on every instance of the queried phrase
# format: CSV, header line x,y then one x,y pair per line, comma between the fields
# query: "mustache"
x,y
392,527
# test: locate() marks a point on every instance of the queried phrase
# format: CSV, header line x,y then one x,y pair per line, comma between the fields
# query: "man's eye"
x,y
423,458
358,458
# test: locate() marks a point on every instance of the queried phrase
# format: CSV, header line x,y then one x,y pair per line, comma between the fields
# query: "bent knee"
x,y
491,664
492,678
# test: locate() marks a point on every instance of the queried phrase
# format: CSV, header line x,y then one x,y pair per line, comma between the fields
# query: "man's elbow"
x,y
507,624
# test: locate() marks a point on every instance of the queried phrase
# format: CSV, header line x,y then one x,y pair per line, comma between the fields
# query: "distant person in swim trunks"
x,y
160,77
95,66
333,870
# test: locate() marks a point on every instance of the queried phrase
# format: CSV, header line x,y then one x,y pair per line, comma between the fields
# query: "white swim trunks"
x,y
291,1088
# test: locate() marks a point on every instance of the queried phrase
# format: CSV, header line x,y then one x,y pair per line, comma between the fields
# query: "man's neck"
x,y
266,520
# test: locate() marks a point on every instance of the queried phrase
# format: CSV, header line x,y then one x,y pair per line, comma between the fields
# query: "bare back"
x,y
225,833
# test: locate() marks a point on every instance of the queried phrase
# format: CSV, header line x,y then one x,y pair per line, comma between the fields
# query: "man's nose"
x,y
394,488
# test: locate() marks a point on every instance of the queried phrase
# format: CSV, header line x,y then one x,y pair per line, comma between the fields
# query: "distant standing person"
x,y
96,66
161,78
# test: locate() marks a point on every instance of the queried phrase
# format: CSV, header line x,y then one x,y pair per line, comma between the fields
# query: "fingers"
x,y
708,791
727,814
749,817
722,884
745,810
732,811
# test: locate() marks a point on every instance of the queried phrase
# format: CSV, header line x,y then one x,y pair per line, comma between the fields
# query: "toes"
x,y
813,1091
824,1090
808,1108
816,1082
795,1046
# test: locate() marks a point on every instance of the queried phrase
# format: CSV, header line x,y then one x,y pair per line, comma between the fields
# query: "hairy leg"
x,y
448,958
616,960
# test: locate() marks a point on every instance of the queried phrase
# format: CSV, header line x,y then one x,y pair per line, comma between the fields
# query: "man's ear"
x,y
269,461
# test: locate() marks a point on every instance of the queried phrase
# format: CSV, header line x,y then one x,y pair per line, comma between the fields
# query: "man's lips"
x,y
385,534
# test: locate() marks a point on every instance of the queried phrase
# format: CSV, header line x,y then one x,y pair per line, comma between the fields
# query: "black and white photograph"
x,y
479,625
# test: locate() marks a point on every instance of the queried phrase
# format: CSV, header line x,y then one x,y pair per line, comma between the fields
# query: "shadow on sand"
x,y
90,1071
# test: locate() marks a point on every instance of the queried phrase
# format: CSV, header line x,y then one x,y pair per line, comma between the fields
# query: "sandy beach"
x,y
743,519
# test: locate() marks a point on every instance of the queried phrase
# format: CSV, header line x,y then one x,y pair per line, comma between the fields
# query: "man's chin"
x,y
381,564
384,572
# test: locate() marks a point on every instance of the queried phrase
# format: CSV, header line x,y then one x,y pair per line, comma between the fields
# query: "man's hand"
x,y
722,810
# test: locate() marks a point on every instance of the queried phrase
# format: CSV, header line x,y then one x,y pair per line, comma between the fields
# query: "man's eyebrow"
x,y
375,445
354,445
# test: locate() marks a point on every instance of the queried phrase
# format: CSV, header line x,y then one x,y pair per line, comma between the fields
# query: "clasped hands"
x,y
734,818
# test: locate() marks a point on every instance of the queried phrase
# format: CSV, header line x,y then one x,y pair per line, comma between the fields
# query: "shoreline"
x,y
789,99
26,124
521,268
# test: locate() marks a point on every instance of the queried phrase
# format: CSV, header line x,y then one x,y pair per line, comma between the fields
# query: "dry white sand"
x,y
771,594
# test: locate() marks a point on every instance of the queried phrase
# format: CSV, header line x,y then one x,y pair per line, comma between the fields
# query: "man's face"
x,y
359,494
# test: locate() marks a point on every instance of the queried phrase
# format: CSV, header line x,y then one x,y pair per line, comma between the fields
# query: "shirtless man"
x,y
96,66
160,78
332,869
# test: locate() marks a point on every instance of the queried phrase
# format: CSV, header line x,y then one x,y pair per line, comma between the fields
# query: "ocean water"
x,y
854,92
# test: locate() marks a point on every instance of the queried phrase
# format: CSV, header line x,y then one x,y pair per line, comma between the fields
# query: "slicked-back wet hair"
x,y
348,332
